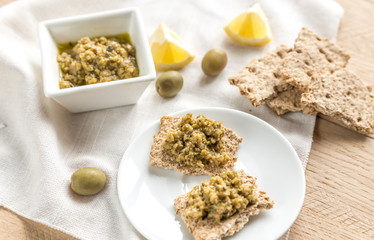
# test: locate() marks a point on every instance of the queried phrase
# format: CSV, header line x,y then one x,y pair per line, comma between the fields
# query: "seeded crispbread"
x,y
160,158
261,79
312,55
314,45
204,229
286,101
298,68
344,97
316,69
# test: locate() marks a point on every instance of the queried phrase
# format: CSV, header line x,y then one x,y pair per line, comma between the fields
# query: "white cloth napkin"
x,y
42,144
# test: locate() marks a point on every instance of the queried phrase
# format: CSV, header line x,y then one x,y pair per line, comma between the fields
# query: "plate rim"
x,y
257,119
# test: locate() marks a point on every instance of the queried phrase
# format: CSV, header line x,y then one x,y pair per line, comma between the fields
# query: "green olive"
x,y
88,181
214,62
169,84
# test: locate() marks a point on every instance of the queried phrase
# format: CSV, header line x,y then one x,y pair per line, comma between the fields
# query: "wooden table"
x,y
339,201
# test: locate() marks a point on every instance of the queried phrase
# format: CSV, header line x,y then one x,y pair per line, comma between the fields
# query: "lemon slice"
x,y
251,27
168,50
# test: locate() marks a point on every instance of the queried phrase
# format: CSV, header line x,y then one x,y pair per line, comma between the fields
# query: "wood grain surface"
x,y
339,201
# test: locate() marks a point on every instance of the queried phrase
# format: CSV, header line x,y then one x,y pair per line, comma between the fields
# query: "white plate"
x,y
147,193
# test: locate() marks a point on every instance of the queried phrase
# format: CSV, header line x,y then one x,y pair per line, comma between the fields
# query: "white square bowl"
x,y
99,95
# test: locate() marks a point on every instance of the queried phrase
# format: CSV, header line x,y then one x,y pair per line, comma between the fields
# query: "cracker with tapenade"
x,y
344,97
262,79
160,157
209,229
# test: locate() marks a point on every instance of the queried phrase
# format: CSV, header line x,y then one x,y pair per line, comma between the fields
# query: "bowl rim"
x,y
43,29
88,16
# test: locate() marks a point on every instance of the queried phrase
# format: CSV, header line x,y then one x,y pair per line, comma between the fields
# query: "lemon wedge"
x,y
168,50
251,27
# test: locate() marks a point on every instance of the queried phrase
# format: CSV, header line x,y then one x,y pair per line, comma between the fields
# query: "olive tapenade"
x,y
196,142
102,59
221,197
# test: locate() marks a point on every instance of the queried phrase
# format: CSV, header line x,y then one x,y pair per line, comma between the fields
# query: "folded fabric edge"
x,y
309,148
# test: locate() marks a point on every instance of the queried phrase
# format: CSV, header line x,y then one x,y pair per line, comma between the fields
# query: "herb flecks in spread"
x,y
221,197
196,142
102,59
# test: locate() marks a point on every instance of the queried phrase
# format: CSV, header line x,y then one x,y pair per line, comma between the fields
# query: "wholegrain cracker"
x,y
316,70
344,97
312,56
262,79
314,45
